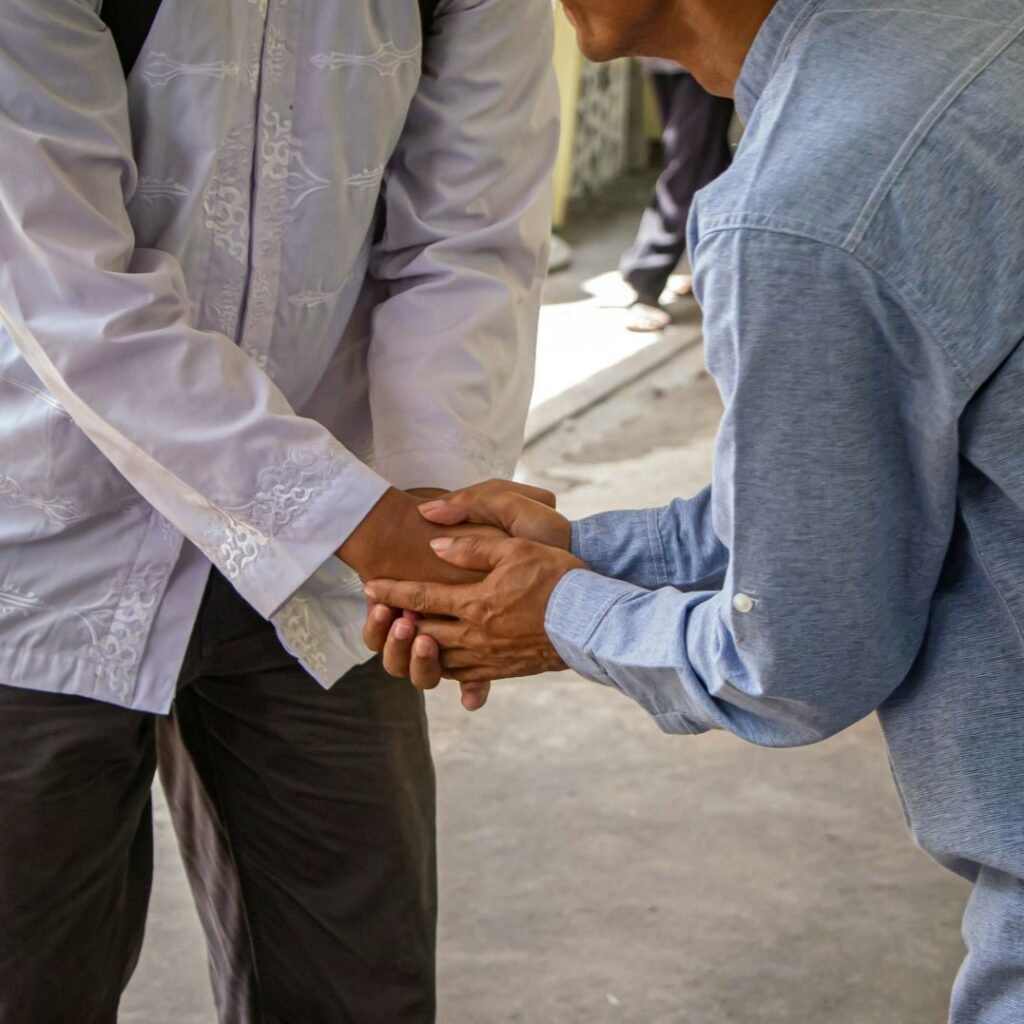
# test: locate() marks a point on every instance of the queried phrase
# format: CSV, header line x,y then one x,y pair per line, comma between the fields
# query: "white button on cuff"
x,y
743,603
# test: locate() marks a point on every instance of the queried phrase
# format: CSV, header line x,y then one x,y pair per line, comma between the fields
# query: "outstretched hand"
x,y
518,510
488,630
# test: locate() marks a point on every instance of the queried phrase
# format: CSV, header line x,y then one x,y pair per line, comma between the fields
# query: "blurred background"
x,y
592,869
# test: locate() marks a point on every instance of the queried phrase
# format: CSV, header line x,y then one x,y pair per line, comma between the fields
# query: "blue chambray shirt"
x,y
861,272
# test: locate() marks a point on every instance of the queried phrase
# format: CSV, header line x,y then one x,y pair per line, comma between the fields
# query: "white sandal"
x,y
681,285
645,318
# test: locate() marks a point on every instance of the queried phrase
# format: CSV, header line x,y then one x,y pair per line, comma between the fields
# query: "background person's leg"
x,y
695,136
76,855
306,820
990,986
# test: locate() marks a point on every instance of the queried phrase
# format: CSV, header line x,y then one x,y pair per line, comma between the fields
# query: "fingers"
x,y
495,503
445,513
407,655
514,513
480,553
379,618
488,488
397,652
419,659
448,634
425,664
488,508
430,598
474,695
425,673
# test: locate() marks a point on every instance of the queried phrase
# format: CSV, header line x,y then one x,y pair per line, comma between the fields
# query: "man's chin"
x,y
596,49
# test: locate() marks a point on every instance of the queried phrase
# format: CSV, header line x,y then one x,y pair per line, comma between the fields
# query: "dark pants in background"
x,y
695,136
305,818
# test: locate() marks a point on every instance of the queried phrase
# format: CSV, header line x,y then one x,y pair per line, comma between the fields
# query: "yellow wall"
x,y
652,116
567,69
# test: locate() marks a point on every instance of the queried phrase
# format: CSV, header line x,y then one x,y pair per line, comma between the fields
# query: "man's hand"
x,y
529,511
393,540
413,657
391,633
495,627
517,509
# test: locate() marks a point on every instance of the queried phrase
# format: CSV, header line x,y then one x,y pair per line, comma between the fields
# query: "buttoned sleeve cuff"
x,y
582,608
575,609
267,566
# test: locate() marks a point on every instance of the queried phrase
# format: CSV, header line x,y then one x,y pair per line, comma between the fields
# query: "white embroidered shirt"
x,y
295,258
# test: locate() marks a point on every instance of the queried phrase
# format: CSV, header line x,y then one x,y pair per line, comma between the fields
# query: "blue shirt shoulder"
x,y
897,136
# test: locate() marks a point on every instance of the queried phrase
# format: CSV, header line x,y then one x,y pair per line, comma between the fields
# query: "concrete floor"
x,y
594,870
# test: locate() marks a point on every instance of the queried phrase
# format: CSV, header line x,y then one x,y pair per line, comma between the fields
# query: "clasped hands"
x,y
514,546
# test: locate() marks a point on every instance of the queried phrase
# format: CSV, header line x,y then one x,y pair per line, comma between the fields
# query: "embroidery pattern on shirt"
x,y
302,182
261,359
366,178
261,304
283,492
309,300
224,309
386,60
57,510
277,54
160,69
302,635
119,651
14,601
169,533
151,190
43,396
252,64
273,199
226,201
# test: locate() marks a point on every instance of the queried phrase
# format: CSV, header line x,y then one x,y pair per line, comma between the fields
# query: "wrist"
x,y
366,548
565,535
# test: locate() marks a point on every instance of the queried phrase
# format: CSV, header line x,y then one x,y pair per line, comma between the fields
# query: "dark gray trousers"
x,y
305,819
695,134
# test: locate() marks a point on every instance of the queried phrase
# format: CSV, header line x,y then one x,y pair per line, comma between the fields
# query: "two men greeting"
x,y
337,253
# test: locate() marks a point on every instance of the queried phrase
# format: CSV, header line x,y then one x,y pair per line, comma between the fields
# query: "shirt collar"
x,y
786,18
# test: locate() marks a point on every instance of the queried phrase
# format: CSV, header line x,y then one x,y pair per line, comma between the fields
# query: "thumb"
x,y
444,513
475,552
507,510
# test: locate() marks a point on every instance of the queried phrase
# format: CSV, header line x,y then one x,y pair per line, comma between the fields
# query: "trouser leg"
x,y
696,140
990,986
76,855
306,819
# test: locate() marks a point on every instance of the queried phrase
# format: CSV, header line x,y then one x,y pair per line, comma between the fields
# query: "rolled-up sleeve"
x,y
675,546
833,496
190,421
464,250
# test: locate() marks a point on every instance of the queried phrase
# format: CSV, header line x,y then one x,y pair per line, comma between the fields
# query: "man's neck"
x,y
711,39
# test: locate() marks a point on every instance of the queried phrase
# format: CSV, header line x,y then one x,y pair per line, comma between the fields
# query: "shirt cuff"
x,y
321,624
575,609
624,545
268,574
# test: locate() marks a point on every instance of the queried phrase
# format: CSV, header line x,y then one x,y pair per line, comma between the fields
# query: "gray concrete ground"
x,y
594,870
